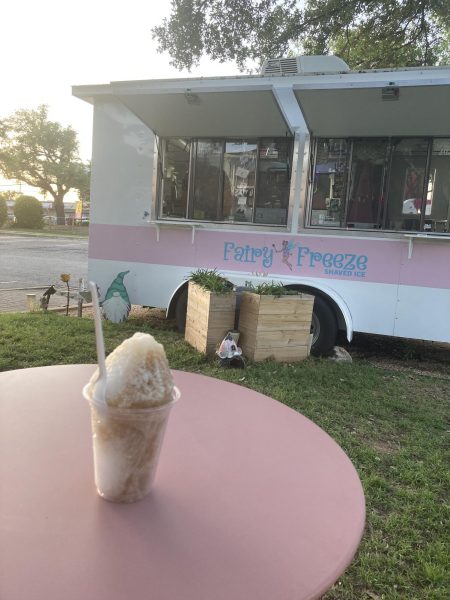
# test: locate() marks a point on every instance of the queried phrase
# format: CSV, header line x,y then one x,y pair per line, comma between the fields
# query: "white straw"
x,y
99,342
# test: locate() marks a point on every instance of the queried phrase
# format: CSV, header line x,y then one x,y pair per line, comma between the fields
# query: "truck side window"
x,y
395,184
274,175
224,180
175,177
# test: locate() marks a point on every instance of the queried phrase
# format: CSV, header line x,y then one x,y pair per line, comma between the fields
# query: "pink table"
x,y
252,501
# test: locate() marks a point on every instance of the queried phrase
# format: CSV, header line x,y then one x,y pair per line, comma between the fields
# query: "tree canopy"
x,y
365,33
43,154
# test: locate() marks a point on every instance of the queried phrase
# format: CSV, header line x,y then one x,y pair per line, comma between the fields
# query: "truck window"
x,y
406,184
367,175
396,184
239,172
274,176
207,181
226,180
330,182
175,177
437,216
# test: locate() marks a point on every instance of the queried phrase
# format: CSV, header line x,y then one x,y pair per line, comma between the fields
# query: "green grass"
x,y
48,232
391,424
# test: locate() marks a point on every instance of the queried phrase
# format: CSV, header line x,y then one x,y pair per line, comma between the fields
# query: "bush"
x,y
3,212
28,212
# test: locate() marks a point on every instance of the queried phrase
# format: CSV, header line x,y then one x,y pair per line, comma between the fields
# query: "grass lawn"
x,y
391,423
47,231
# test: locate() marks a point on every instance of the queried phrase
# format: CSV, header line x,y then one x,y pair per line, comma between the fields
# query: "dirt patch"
x,y
431,359
155,317
385,446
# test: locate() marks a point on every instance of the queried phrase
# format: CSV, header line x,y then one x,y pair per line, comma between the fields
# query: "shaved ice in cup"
x,y
128,428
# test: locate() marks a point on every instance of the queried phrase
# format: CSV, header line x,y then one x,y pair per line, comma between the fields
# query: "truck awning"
x,y
361,111
197,113
335,105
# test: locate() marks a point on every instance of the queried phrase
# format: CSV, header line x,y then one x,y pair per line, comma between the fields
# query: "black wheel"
x,y
180,310
324,327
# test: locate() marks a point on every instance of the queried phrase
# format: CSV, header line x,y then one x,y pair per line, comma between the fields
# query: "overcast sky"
x,y
46,46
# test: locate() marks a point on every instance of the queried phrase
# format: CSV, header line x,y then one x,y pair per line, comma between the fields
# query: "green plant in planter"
x,y
272,288
211,281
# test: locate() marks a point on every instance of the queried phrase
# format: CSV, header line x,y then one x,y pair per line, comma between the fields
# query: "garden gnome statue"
x,y
116,306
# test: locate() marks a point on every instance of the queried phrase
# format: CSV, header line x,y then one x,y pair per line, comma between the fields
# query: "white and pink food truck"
x,y
327,180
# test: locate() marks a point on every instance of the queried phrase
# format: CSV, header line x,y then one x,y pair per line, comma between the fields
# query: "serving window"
x,y
225,180
393,184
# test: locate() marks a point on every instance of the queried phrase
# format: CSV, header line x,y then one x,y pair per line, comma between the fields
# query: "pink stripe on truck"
x,y
277,254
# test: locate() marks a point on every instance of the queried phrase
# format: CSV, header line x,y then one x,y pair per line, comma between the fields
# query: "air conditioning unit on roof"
x,y
304,65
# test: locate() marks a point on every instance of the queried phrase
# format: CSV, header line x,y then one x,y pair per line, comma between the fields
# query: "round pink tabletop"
x,y
251,499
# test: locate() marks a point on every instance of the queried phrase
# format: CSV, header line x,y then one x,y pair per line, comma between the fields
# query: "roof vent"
x,y
280,66
303,65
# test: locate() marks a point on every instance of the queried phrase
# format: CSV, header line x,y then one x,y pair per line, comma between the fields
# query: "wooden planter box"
x,y
209,318
275,327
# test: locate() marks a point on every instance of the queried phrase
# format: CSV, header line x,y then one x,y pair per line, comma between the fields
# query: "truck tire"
x,y
181,309
324,327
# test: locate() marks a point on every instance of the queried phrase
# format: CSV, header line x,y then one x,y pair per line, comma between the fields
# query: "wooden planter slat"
x,y
278,307
277,322
209,318
279,339
288,333
275,327
282,354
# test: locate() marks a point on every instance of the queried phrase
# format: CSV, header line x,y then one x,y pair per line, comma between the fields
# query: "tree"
x,y
28,212
41,153
365,33
3,210
83,184
4,198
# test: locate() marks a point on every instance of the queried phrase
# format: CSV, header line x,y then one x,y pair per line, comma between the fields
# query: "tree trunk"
x,y
59,208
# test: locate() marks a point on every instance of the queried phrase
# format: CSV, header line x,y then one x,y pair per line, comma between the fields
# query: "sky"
x,y
47,46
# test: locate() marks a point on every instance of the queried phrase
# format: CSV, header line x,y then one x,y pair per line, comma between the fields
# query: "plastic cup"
x,y
127,443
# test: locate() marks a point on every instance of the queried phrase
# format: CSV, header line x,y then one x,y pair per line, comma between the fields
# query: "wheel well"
x,y
332,304
174,300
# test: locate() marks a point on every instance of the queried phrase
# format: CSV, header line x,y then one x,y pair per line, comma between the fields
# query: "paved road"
x,y
27,261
